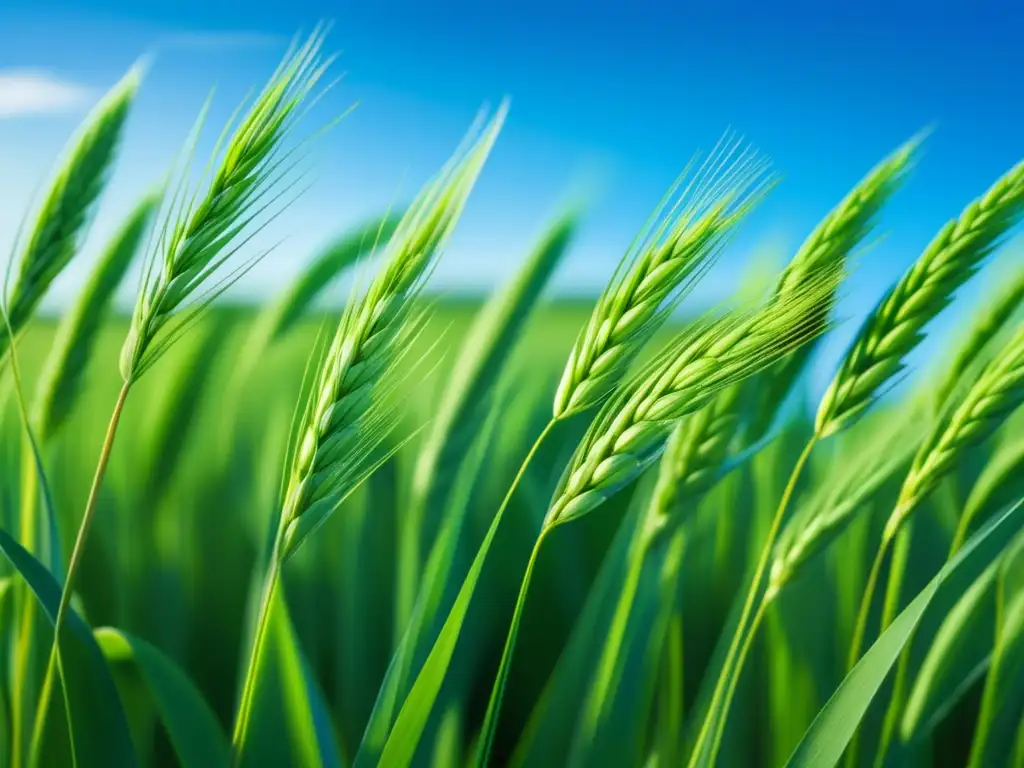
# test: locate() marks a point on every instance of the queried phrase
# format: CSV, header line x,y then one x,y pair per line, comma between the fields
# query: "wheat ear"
x,y
661,267
895,327
351,409
196,241
833,239
69,202
986,326
630,431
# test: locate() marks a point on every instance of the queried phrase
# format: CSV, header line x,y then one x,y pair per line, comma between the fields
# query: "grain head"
x,y
351,410
895,327
64,370
60,224
199,236
833,240
998,390
630,432
658,271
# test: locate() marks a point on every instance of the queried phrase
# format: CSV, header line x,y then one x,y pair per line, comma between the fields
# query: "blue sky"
x,y
612,97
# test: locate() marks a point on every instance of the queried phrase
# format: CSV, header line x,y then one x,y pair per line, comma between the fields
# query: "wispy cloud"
x,y
38,91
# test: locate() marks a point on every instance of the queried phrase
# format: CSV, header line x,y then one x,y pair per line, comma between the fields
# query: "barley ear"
x,y
199,235
998,391
630,431
64,370
833,240
352,408
56,233
895,327
678,247
988,324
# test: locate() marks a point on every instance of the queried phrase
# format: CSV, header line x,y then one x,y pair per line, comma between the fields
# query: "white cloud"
x,y
37,91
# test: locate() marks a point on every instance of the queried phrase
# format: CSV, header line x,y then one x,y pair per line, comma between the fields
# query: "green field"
x,y
519,530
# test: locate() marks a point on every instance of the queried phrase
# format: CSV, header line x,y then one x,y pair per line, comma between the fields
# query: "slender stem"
x,y
672,688
73,566
721,698
960,536
24,659
893,588
244,716
741,658
989,703
607,666
498,691
860,629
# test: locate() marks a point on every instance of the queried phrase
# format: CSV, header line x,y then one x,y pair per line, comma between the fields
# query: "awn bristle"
x,y
631,430
350,411
199,236
833,240
69,202
894,328
658,271
998,390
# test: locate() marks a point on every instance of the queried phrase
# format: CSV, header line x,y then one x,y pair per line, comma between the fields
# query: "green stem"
x,y
748,643
244,715
671,693
860,629
608,664
894,587
24,658
989,703
960,536
498,691
725,687
76,560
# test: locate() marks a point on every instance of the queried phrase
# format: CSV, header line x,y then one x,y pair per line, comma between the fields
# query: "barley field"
x,y
417,530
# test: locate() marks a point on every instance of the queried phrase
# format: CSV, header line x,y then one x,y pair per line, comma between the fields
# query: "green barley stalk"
x,y
895,327
830,243
56,394
835,505
833,239
69,203
998,391
195,243
630,432
54,238
352,408
673,251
